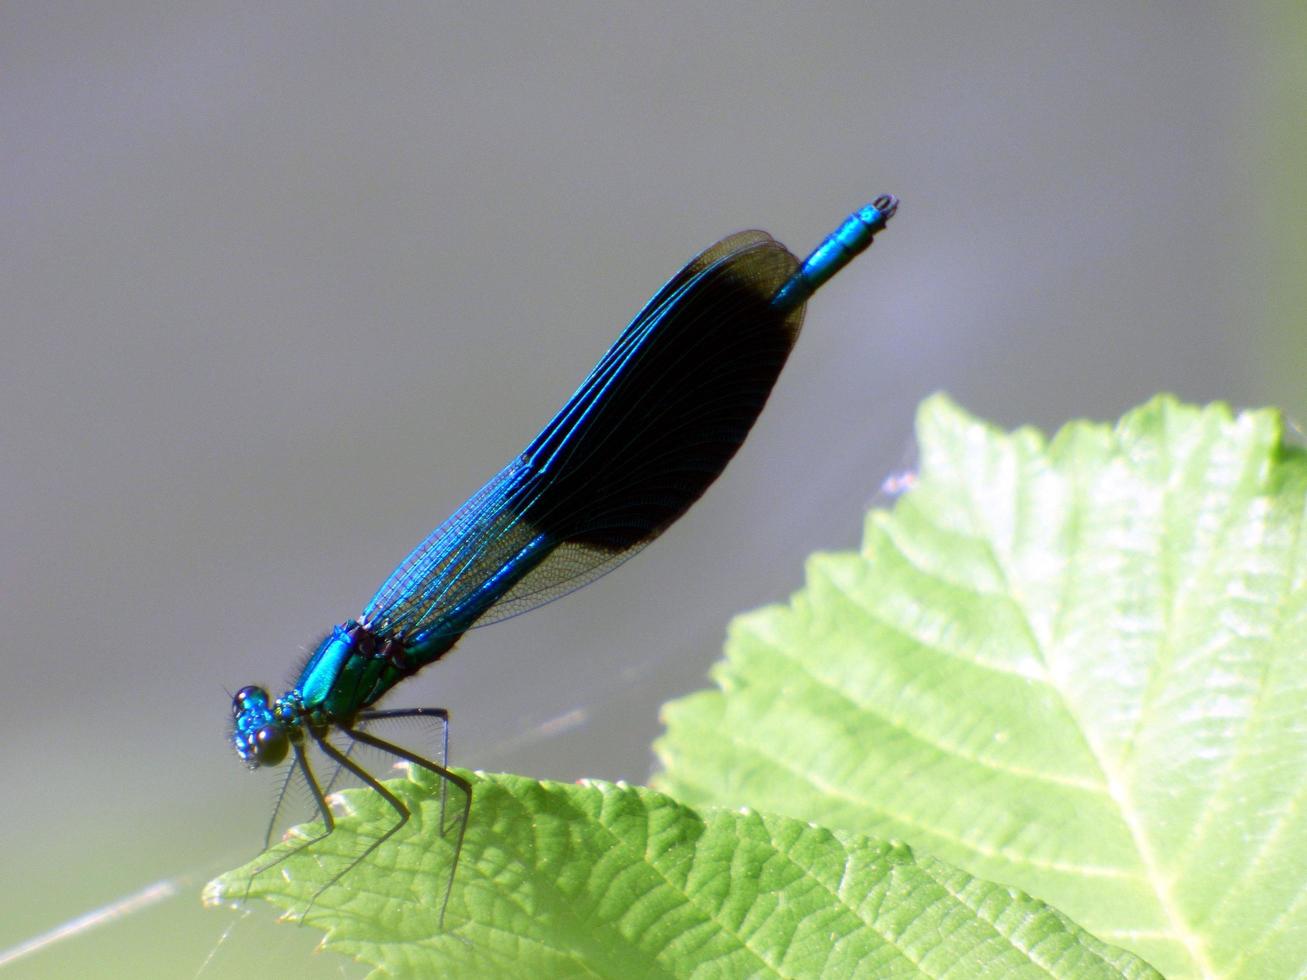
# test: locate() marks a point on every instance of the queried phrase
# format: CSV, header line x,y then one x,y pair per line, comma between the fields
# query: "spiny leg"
x,y
444,774
396,804
336,773
276,809
328,821
443,716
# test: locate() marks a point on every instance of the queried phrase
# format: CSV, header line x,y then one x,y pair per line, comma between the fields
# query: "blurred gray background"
x,y
282,285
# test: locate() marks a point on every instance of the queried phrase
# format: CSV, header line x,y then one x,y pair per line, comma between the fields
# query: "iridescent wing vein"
x,y
640,440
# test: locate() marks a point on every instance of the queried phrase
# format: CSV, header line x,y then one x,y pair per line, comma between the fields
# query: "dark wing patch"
x,y
645,435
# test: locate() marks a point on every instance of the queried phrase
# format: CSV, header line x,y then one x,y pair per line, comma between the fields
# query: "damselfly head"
x,y
259,738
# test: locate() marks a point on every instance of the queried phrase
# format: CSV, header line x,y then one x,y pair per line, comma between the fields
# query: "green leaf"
x,y
1077,667
606,880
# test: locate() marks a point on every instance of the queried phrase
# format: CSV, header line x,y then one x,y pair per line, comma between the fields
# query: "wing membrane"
x,y
640,440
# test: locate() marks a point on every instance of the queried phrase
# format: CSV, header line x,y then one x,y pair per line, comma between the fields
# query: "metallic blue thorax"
x,y
341,676
358,662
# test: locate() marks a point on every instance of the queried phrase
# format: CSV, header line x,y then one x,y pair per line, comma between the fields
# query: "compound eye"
x,y
270,745
250,692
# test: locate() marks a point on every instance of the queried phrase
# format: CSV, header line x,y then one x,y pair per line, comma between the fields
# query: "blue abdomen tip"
x,y
840,247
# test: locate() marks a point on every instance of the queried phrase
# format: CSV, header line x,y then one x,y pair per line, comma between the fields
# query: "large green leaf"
x,y
609,881
1078,667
